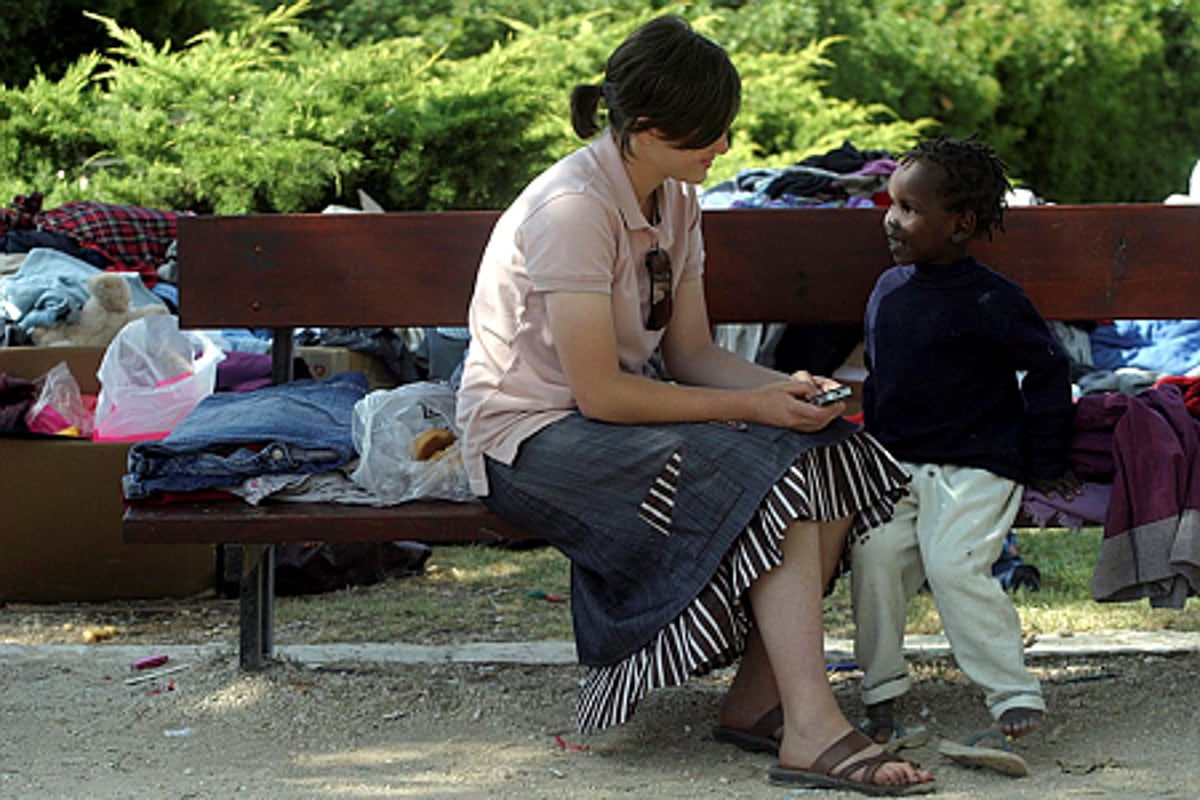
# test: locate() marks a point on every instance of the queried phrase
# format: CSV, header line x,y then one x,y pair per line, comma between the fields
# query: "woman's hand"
x,y
819,382
786,403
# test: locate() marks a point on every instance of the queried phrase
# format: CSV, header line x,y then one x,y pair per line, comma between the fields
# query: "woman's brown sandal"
x,y
821,773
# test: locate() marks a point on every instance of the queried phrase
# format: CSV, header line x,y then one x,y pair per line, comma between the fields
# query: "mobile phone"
x,y
830,396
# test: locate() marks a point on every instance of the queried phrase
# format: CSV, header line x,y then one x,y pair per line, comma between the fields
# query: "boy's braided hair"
x,y
973,178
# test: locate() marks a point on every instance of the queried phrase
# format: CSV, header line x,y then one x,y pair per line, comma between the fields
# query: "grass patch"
x,y
467,593
1064,602
477,593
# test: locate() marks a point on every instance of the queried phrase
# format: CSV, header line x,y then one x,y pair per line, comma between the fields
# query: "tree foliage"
x,y
1088,100
239,106
267,118
47,36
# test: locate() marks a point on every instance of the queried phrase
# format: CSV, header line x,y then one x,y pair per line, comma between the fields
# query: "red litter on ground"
x,y
538,594
565,745
150,661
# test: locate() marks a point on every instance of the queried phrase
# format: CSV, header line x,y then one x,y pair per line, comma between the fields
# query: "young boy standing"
x,y
969,390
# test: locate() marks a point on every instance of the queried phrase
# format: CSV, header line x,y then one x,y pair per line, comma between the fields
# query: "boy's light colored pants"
x,y
948,530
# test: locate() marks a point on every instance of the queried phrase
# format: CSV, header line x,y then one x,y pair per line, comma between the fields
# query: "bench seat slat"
x,y
235,522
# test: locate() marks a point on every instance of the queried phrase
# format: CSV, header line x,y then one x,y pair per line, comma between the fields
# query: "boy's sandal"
x,y
999,758
894,736
761,737
821,775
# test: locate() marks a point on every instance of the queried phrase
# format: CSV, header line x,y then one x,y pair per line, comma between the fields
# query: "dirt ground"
x,y
80,722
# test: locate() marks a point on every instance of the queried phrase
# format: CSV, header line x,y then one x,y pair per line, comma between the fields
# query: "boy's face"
x,y
919,228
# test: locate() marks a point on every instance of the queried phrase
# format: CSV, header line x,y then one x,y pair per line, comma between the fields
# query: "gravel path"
x,y
380,722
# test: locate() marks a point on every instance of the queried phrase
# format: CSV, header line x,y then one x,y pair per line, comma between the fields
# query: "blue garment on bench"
x,y
50,287
301,427
1170,346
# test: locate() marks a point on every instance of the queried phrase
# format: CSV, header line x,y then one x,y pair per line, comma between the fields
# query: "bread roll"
x,y
432,443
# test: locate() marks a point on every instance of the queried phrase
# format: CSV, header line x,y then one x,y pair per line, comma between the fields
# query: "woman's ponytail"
x,y
585,104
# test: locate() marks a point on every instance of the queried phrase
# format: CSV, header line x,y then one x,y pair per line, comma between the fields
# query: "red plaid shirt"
x,y
132,237
23,214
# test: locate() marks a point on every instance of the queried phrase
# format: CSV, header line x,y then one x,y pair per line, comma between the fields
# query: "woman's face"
x,y
691,165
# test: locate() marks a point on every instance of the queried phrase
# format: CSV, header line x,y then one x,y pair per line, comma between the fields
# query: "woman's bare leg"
x,y
753,691
787,604
832,536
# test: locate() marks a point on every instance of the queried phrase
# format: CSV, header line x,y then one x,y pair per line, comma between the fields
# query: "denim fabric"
x,y
298,427
445,349
579,485
51,287
243,340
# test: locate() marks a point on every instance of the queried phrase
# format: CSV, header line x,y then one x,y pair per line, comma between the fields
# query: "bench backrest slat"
x,y
794,265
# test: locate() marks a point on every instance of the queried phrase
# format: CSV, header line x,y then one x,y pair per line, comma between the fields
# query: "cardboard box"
x,y
61,508
326,361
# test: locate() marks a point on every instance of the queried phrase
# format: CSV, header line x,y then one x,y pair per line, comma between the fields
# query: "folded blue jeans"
x,y
301,427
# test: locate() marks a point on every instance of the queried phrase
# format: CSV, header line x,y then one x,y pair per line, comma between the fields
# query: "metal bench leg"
x,y
257,591
257,606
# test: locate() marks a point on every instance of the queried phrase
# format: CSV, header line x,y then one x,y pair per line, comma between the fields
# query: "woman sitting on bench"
x,y
704,514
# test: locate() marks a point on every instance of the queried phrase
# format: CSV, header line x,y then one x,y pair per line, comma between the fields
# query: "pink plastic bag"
x,y
151,377
60,408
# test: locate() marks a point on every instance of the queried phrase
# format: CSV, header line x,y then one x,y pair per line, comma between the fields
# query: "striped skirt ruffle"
x,y
825,483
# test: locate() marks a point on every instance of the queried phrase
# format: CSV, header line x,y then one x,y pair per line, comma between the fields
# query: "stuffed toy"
x,y
106,311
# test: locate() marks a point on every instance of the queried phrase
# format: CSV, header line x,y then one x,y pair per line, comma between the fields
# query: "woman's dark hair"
x,y
972,178
665,76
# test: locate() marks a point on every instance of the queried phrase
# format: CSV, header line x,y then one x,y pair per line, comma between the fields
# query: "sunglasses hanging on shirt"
x,y
658,264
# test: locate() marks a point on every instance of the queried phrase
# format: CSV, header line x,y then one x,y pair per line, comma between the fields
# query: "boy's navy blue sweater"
x,y
944,346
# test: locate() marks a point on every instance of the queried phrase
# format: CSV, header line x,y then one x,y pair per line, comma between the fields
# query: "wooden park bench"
x,y
1094,262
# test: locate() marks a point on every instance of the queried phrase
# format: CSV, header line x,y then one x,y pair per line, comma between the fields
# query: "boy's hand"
x,y
1066,485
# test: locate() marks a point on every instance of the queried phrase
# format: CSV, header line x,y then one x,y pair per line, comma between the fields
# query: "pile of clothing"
x,y
843,177
49,255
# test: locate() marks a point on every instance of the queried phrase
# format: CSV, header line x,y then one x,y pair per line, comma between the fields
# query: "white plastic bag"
x,y
384,427
151,377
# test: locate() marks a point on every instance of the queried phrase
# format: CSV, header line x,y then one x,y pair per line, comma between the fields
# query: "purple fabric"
x,y
16,398
1091,455
1091,452
880,166
1090,508
1151,544
245,372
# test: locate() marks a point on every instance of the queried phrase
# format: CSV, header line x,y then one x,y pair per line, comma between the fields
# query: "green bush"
x,y
47,36
786,116
1087,100
306,104
464,28
266,118
226,125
